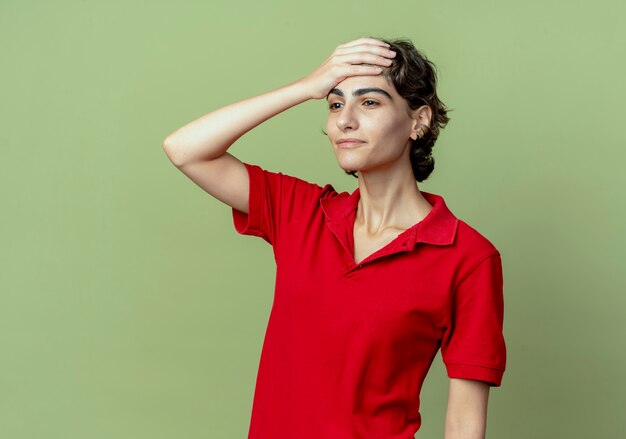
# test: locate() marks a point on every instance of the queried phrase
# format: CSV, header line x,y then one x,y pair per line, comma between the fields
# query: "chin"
x,y
347,166
351,159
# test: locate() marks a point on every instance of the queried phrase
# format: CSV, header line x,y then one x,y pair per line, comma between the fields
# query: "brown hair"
x,y
415,79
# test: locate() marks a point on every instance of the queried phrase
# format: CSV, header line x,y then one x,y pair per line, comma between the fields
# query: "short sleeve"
x,y
274,200
473,345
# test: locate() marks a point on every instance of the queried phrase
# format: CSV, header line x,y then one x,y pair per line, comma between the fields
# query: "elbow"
x,y
172,153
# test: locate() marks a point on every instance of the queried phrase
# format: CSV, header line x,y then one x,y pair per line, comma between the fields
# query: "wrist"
x,y
300,90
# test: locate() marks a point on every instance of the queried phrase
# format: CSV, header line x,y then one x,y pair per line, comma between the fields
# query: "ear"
x,y
421,121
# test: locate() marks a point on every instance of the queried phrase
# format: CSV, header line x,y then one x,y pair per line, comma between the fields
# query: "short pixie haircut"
x,y
415,79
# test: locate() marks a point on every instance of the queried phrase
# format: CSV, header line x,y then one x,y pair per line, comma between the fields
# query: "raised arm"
x,y
199,148
466,417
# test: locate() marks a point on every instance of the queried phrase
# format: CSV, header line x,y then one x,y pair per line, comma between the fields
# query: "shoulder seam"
x,y
476,265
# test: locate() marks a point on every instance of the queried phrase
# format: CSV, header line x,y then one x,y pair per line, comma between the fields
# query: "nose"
x,y
346,119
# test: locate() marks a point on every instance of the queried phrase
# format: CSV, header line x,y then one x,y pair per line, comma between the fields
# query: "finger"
x,y
359,54
363,58
361,70
380,50
364,40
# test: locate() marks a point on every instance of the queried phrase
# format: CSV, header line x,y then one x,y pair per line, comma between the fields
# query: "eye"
x,y
371,103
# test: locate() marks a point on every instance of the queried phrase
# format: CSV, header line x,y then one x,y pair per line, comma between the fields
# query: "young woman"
x,y
369,284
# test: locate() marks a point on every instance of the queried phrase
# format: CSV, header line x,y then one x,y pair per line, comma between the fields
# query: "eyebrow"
x,y
360,91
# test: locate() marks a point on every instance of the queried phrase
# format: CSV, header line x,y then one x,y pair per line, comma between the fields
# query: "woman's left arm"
x,y
466,417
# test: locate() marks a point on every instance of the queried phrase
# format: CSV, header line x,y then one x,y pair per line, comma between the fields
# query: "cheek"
x,y
383,128
330,124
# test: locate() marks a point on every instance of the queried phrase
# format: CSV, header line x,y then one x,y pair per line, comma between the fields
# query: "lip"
x,y
348,142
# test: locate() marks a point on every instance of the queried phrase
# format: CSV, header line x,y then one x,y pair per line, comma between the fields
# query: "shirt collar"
x,y
438,227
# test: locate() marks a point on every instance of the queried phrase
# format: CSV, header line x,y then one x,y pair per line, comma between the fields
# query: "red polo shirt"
x,y
348,345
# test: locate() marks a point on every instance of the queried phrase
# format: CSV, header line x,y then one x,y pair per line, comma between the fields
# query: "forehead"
x,y
354,83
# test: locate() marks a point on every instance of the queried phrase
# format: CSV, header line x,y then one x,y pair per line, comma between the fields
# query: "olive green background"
x,y
131,308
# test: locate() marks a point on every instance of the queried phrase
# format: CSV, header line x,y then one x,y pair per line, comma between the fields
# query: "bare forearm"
x,y
469,428
211,135
466,417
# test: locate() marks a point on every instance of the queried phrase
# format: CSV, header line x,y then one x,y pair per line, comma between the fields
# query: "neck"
x,y
389,203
